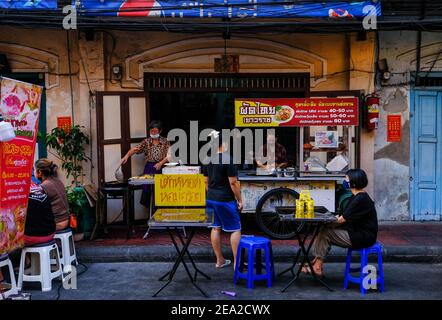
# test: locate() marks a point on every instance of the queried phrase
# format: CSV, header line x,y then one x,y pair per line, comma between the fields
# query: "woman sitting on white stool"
x,y
40,222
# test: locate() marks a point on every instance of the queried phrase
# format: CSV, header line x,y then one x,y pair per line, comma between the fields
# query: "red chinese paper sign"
x,y
19,105
295,112
64,123
394,128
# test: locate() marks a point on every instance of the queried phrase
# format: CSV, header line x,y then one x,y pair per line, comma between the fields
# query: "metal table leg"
x,y
305,258
197,270
298,253
130,207
151,208
292,267
180,259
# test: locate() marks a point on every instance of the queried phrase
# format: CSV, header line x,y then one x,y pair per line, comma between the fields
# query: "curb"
x,y
161,253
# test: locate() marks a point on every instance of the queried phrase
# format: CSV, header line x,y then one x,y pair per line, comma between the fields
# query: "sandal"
x,y
306,267
319,274
225,264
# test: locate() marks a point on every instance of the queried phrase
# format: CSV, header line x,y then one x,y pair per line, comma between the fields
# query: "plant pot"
x,y
85,215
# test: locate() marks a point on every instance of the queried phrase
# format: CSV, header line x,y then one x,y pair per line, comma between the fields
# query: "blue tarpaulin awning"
x,y
228,8
28,4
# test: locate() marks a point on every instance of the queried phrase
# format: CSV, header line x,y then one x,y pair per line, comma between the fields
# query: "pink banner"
x,y
19,105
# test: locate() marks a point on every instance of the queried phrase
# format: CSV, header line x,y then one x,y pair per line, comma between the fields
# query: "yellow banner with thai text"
x,y
180,190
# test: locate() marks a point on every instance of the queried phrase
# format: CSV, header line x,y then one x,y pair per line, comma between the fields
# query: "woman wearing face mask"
x,y
155,149
356,228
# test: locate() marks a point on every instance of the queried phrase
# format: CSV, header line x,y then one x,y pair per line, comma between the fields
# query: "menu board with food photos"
x,y
296,112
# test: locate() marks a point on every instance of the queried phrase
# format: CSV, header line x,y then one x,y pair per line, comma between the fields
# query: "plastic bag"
x,y
73,221
119,174
314,164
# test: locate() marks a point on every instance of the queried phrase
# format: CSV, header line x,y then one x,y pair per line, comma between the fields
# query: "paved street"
x,y
138,281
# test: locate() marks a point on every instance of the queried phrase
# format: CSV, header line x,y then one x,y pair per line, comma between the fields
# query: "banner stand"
x,y
19,105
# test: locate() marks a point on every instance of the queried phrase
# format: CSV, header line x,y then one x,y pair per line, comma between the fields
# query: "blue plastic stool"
x,y
254,245
375,249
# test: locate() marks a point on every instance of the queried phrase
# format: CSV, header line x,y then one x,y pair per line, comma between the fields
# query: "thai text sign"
x,y
180,190
19,105
296,112
64,123
394,128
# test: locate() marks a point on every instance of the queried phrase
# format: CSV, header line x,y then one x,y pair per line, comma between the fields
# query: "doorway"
x,y
426,155
177,99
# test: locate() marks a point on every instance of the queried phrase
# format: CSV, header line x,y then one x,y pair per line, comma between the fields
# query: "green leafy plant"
x,y
76,199
70,149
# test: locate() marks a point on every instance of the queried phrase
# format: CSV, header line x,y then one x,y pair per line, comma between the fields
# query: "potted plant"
x,y
69,147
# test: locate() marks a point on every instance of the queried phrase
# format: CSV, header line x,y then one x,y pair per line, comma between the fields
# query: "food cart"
x,y
262,195
324,132
327,148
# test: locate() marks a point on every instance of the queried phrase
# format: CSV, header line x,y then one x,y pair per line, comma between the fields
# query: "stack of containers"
x,y
305,206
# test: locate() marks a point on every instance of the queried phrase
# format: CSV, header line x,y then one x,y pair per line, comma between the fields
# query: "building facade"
x,y
405,177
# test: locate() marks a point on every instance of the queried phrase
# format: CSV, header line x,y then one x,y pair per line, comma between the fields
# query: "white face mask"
x,y
155,136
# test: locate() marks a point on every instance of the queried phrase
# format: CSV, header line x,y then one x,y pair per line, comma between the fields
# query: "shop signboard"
x,y
19,105
296,112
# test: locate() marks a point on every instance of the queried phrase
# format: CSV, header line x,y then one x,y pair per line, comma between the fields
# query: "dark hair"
x,y
358,178
47,167
156,124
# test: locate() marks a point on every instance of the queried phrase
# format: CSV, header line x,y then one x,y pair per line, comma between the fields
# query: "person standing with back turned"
x,y
224,197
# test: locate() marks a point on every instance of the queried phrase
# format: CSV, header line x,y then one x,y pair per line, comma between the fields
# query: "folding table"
x,y
173,220
312,228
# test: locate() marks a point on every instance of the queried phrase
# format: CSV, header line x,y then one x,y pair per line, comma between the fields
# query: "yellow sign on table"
x,y
180,190
181,215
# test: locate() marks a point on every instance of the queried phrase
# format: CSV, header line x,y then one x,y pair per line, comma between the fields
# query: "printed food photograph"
x,y
283,114
326,139
20,102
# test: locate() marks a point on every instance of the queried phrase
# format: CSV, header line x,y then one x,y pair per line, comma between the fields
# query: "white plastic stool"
x,y
5,262
40,270
67,249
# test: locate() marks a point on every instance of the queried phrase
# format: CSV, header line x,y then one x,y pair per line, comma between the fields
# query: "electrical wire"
x,y
434,63
51,19
70,77
78,275
91,94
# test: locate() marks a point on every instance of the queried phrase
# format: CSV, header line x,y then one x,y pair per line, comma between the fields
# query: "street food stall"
x,y
321,135
327,148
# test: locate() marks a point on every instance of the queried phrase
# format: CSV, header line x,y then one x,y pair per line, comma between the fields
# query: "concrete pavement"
x,y
138,281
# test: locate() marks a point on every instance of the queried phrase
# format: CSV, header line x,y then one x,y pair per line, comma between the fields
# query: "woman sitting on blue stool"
x,y
356,228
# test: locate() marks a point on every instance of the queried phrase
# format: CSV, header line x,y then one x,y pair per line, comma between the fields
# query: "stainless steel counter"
x,y
250,176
